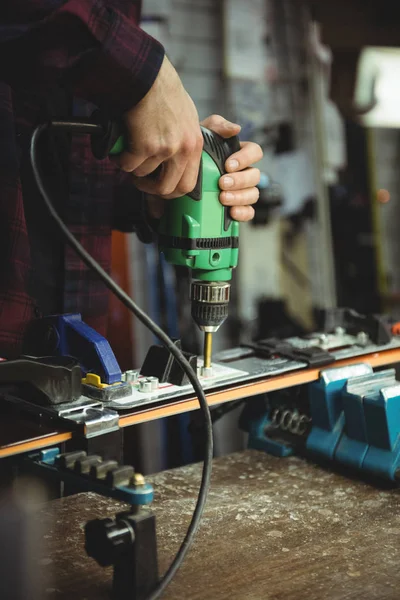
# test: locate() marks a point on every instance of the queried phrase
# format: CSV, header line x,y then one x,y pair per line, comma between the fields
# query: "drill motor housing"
x,y
196,231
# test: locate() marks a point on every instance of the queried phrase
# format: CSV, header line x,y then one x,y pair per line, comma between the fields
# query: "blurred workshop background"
x,y
317,85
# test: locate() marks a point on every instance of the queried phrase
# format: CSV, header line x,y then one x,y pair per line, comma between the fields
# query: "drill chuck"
x,y
210,301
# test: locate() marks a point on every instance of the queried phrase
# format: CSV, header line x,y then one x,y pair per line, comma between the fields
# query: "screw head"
x,y
138,479
362,338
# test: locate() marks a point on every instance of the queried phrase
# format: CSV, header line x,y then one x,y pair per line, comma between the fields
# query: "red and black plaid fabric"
x,y
95,50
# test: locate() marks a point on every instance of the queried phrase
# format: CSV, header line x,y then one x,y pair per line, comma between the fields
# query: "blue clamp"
x,y
354,443
72,337
326,406
355,416
140,495
356,421
382,416
259,439
49,455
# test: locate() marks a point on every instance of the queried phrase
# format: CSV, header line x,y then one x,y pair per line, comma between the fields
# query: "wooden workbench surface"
x,y
273,529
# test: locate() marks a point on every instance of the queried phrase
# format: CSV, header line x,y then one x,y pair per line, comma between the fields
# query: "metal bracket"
x,y
89,417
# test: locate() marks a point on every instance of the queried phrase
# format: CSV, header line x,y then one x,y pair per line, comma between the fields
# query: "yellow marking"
x,y
94,380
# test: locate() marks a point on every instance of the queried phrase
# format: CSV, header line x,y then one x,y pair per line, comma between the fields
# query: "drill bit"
x,y
207,349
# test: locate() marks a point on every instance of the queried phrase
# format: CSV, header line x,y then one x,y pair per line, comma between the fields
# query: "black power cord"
x,y
89,128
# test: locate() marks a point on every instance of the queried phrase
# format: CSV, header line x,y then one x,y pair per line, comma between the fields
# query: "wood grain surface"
x,y
273,529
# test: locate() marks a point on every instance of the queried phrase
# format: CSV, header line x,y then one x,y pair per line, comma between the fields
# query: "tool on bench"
x,y
82,127
349,416
196,231
50,380
185,234
128,542
90,473
68,335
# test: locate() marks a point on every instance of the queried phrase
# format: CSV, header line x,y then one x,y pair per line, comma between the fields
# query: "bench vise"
x,y
350,416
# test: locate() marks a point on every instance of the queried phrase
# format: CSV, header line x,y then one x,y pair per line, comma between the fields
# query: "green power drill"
x,y
197,232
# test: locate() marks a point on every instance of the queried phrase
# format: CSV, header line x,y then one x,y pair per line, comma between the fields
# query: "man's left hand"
x,y
238,186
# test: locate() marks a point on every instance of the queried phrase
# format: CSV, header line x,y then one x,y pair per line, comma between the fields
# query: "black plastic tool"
x,y
129,544
377,327
159,363
47,380
314,356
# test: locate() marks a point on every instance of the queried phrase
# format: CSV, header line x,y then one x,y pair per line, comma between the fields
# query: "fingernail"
x,y
230,124
233,164
229,196
228,181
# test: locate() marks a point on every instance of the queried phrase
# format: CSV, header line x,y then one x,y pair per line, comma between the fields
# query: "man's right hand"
x,y
163,129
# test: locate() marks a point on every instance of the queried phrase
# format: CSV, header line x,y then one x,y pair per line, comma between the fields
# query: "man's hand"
x,y
164,129
238,186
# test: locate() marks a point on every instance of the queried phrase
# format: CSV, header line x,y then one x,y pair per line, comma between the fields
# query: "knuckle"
x,y
163,148
189,145
150,148
222,198
185,188
172,145
126,166
140,172
165,188
192,182
199,143
163,152
223,184
238,198
236,213
239,182
215,119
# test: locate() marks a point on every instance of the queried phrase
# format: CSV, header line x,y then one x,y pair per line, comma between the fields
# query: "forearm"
x,y
86,45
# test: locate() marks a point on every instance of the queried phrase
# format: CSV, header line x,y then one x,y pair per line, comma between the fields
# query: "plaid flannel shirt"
x,y
95,50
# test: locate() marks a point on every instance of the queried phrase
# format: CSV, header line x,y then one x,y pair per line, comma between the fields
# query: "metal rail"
x,y
233,392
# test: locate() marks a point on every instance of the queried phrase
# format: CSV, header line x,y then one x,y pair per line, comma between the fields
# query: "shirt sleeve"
x,y
86,45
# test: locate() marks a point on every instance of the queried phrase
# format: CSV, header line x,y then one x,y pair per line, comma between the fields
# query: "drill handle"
x,y
110,140
220,149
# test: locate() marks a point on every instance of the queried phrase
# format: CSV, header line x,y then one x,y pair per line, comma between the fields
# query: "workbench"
x,y
19,434
273,528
